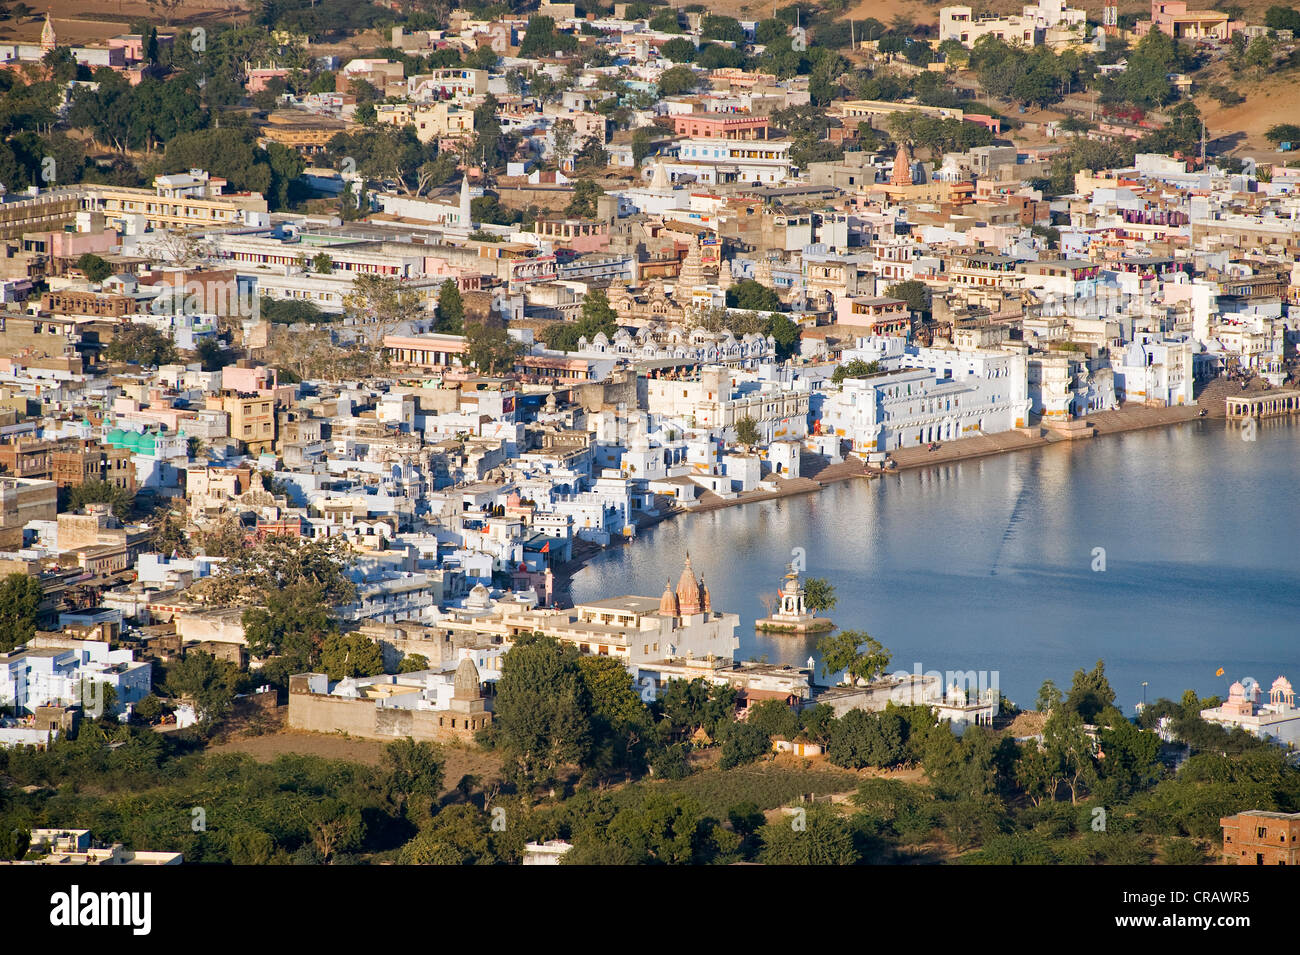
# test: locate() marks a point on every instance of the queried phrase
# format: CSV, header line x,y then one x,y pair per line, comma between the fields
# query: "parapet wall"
x,y
326,714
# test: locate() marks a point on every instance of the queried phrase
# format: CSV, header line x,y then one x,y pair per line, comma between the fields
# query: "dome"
x,y
479,598
466,686
146,444
1236,692
668,606
115,437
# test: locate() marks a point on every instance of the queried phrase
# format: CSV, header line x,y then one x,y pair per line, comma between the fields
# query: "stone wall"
x,y
327,714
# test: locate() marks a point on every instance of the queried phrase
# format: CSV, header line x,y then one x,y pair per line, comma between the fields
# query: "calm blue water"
x,y
987,564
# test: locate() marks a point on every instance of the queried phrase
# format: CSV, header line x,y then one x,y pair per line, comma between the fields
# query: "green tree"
x,y
1070,752
1090,693
785,334
743,742
141,344
677,81
821,836
413,663
1259,54
747,432
20,602
752,296
721,28
819,594
583,203
120,499
1049,697
774,718
666,21
915,294
211,684
93,267
859,739
862,657
1280,17
488,137
322,263
210,353
592,155
449,315
412,775
857,368
294,624
542,39
350,655
543,708
14,841
490,349
679,50
613,695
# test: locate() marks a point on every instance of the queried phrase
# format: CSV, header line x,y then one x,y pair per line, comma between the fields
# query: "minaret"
x,y
689,597
902,174
48,40
692,274
466,215
660,179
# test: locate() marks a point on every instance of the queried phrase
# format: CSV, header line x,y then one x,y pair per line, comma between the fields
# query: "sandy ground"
x,y
1269,101
88,21
265,748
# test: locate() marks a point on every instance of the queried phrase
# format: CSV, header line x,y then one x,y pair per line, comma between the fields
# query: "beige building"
x,y
183,201
252,419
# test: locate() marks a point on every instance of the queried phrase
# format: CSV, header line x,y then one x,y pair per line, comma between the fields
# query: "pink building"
x,y
581,235
248,380
132,45
258,79
1173,18
721,125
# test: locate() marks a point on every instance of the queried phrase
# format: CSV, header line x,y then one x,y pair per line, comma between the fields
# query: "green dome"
x,y
131,439
115,437
146,444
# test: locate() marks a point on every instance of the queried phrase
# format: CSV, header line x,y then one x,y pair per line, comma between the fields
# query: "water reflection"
x,y
987,564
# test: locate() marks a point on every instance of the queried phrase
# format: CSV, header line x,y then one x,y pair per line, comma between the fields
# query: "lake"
x,y
993,564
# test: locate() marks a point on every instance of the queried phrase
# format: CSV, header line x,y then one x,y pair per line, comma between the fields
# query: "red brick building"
x,y
1261,838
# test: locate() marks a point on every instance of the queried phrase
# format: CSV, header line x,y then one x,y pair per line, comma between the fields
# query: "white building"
x,y
67,675
1155,370
720,397
720,161
953,394
1277,720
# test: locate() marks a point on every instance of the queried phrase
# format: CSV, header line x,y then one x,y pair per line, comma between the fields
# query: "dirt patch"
x,y
1269,102
78,22
461,760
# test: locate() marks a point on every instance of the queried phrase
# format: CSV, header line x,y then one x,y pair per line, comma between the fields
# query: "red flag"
x,y
546,548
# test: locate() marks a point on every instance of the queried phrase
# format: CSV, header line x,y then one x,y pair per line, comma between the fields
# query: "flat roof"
x,y
626,604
